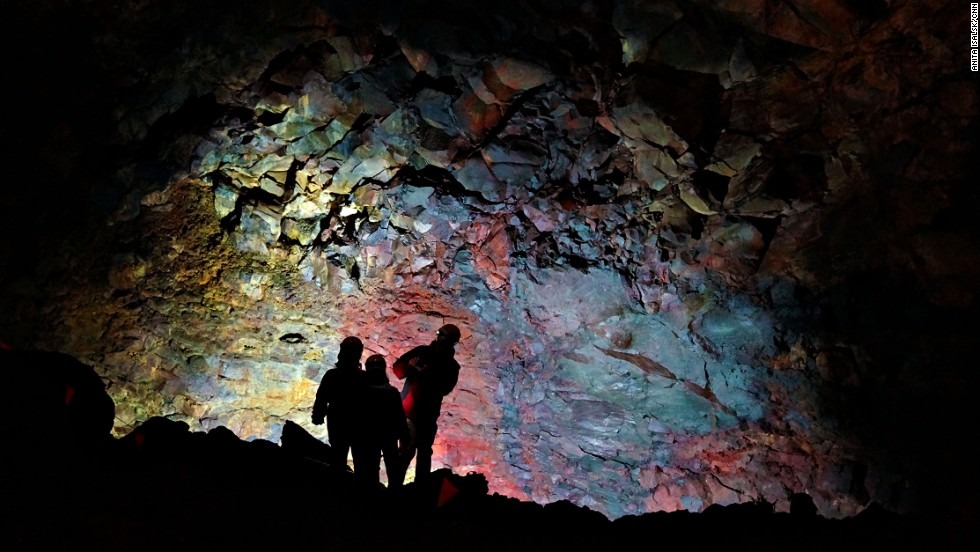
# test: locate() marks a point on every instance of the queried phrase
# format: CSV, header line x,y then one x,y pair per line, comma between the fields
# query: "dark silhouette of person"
x,y
336,399
430,373
382,425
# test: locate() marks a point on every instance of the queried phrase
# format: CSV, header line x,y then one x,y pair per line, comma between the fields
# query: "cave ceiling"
x,y
701,252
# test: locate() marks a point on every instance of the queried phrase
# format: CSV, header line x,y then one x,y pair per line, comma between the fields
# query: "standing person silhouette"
x,y
381,425
336,399
430,373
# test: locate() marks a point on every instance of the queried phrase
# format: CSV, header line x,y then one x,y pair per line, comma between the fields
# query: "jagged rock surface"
x,y
702,253
163,486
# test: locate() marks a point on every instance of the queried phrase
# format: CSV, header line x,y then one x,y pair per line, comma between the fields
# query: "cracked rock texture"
x,y
701,252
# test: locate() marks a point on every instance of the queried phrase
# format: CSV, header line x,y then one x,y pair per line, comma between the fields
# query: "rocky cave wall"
x,y
701,252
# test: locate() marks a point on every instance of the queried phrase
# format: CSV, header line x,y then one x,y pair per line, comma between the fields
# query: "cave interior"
x,y
702,253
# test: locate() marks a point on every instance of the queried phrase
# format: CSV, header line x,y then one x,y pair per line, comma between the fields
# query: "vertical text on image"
x,y
974,61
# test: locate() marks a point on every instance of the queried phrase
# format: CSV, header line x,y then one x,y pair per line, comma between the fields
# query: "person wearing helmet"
x,y
336,399
430,373
382,425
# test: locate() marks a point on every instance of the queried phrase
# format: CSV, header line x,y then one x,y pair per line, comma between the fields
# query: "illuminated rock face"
x,y
673,236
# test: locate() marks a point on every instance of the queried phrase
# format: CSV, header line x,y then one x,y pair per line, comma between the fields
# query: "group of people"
x,y
369,418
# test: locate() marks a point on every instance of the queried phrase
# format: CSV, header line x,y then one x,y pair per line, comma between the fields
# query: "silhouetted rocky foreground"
x,y
69,485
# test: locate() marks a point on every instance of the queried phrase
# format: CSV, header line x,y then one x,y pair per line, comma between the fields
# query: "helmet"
x,y
450,332
350,349
351,343
375,361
